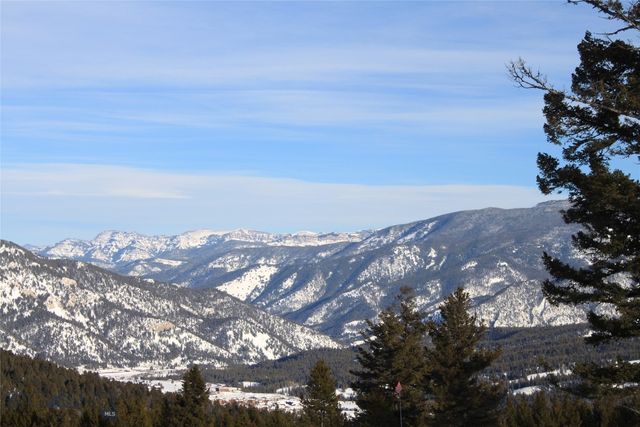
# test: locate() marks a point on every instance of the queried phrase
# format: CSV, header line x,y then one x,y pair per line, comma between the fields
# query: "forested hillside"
x,y
39,393
525,351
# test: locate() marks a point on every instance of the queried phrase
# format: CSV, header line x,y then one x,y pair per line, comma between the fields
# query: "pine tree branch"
x,y
526,78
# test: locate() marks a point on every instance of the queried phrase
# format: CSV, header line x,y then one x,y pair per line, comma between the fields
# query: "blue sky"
x,y
161,117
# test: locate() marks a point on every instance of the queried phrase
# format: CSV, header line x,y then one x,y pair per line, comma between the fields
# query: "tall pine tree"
x,y
461,397
597,125
321,402
193,399
393,353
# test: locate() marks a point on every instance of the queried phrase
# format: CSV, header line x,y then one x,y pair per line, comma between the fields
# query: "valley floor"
x,y
167,381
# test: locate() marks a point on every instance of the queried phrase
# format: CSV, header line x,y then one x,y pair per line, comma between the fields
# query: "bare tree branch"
x,y
526,78
614,9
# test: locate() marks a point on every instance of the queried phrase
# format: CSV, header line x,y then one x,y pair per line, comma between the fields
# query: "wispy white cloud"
x,y
295,108
70,44
158,202
308,64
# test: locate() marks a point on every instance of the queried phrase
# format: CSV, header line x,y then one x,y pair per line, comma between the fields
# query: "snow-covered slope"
x,y
78,314
333,282
494,254
115,249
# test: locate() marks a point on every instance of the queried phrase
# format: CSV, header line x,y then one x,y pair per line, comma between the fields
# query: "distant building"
x,y
226,389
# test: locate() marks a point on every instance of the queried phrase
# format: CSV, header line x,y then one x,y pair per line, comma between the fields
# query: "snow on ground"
x,y
250,384
170,262
470,264
527,391
346,394
137,374
195,238
270,401
273,401
539,375
242,287
349,408
167,386
159,378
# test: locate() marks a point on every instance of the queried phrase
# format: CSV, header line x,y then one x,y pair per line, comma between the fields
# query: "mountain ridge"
x,y
79,314
494,253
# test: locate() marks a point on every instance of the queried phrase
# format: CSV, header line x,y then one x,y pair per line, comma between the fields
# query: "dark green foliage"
x,y
90,417
556,409
321,402
193,398
132,412
393,352
605,200
597,125
461,397
36,393
548,410
616,384
522,351
288,371
605,379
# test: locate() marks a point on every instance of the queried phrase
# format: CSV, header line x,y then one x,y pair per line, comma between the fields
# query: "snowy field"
x,y
160,378
270,401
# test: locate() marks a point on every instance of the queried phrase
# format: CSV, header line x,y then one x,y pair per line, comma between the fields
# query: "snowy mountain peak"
x,y
243,234
305,233
111,248
195,238
117,238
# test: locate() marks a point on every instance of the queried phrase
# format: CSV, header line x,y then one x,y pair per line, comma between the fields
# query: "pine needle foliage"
x,y
596,123
320,404
461,397
193,398
394,351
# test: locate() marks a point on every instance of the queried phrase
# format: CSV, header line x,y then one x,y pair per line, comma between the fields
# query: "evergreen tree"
x,y
597,125
194,398
393,353
321,402
132,412
90,417
461,398
547,410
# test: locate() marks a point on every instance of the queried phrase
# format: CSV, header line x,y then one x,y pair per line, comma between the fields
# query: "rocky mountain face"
x,y
77,314
332,282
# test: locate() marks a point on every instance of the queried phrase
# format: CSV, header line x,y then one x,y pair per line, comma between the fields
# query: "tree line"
x,y
415,371
35,392
524,351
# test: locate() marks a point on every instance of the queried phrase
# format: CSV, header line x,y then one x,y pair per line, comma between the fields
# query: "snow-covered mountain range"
x,y
124,251
77,314
332,282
